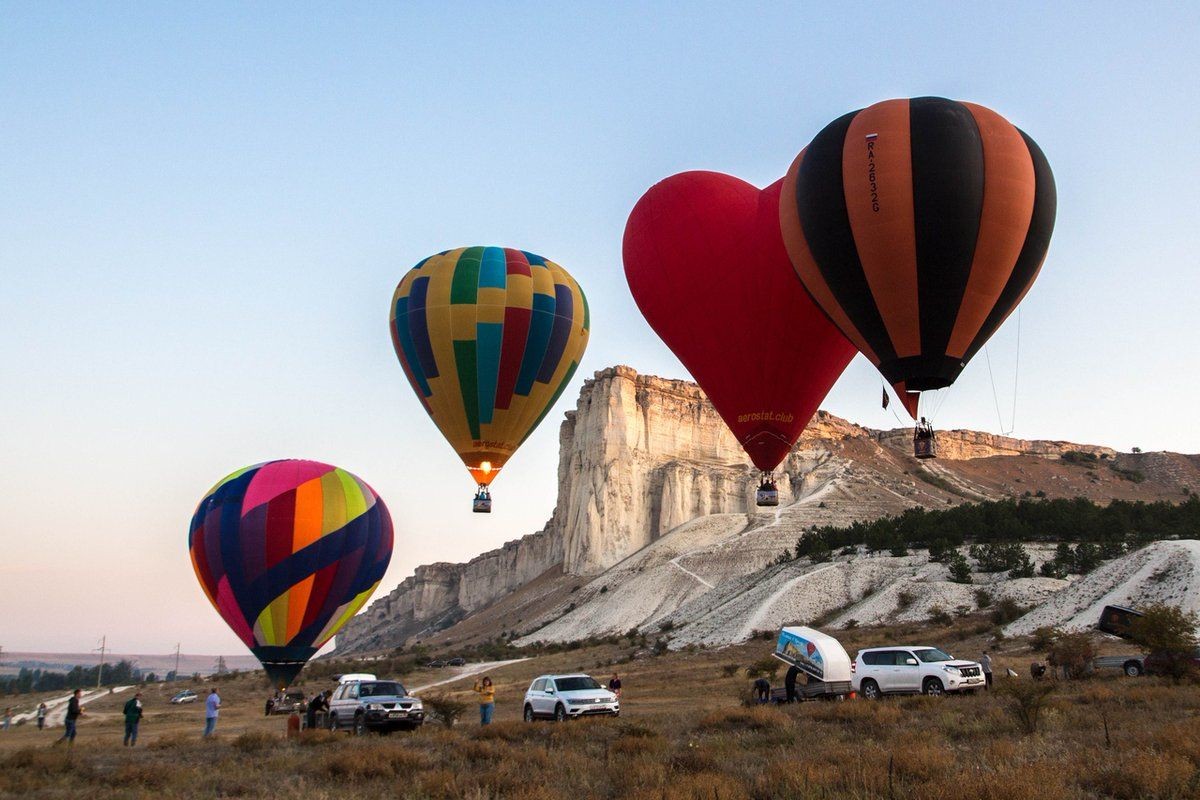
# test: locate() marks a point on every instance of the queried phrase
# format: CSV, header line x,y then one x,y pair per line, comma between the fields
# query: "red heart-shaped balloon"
x,y
707,266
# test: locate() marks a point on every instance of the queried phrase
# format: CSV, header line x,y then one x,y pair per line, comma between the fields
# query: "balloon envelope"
x,y
917,226
489,337
287,551
708,269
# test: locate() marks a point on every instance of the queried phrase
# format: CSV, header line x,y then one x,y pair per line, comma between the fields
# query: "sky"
x,y
205,209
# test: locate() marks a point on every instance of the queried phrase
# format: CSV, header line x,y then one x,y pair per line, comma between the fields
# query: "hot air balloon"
x,y
287,552
489,337
917,226
708,269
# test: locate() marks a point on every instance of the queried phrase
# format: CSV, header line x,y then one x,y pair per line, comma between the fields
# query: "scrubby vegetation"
x,y
998,527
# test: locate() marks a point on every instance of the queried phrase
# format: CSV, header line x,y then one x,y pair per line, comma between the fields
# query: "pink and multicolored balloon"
x,y
287,552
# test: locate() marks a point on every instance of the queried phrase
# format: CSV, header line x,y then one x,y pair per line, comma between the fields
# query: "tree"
x,y
1073,653
1023,567
1169,634
819,551
960,570
1087,557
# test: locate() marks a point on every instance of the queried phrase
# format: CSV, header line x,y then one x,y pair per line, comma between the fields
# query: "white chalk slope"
x,y
703,583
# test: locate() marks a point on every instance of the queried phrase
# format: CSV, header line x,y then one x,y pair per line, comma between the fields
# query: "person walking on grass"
x,y
487,700
133,715
986,663
212,707
7,717
41,716
74,712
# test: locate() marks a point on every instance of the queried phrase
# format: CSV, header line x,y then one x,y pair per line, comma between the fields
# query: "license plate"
x,y
395,713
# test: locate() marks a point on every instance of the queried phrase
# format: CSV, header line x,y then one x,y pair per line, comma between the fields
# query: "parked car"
x,y
186,696
910,669
381,706
561,697
456,662
1160,663
437,663
293,701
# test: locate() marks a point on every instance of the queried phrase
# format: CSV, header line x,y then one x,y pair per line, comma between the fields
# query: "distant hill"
x,y
655,523
12,662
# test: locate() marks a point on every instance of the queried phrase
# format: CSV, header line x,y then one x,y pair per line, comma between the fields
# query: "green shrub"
x,y
1169,633
1025,700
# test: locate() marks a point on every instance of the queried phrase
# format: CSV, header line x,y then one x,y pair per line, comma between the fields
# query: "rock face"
x,y
640,457
436,596
960,445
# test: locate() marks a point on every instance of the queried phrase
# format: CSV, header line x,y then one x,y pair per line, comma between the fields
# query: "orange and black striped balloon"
x,y
917,226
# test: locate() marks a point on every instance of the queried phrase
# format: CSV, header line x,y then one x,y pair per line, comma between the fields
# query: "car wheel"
x,y
870,690
333,725
528,713
1133,669
360,725
933,686
560,713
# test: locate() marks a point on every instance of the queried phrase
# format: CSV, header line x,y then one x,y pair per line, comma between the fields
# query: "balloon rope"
x,y
903,424
941,401
995,397
1016,372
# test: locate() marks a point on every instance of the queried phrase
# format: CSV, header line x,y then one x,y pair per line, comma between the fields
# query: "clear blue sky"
x,y
205,209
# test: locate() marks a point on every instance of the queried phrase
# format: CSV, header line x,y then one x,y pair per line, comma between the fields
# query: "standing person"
x,y
614,685
986,663
789,683
41,716
310,714
74,712
487,700
7,717
212,707
133,715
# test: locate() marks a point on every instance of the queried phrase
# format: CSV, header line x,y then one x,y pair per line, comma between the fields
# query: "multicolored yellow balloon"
x,y
489,337
287,552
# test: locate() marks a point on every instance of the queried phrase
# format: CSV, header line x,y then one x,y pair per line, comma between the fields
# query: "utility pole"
x,y
100,672
176,662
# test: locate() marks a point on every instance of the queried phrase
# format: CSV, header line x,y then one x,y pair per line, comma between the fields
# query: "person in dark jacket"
x,y
133,715
74,712
314,706
789,683
762,690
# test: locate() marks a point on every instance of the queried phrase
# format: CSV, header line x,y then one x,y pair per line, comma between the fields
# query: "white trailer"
x,y
820,657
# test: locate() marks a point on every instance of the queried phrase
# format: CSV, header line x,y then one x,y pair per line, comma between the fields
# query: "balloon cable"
x,y
1016,373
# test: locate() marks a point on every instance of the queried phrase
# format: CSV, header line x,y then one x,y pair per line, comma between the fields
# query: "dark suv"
x,y
381,706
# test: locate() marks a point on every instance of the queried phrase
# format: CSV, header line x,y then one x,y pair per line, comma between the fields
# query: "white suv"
x,y
560,697
909,669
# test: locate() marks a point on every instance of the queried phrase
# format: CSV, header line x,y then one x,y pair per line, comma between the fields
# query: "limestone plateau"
x,y
655,521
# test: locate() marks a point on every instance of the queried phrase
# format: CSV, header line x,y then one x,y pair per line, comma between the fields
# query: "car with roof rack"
x,y
912,669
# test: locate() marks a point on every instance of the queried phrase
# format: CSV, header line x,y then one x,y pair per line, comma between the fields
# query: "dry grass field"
x,y
683,733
